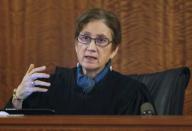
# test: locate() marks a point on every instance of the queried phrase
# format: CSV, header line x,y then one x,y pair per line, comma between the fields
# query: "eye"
x,y
84,38
101,40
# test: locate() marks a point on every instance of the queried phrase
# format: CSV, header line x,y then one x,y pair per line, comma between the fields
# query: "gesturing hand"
x,y
30,82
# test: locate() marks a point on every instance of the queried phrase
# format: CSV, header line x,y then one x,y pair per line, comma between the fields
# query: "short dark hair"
x,y
108,18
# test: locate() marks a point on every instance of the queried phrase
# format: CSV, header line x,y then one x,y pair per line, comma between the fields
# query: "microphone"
x,y
147,109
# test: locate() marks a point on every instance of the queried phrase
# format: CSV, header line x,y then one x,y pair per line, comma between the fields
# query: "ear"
x,y
114,52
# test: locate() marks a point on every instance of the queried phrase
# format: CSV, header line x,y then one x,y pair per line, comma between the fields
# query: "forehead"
x,y
97,27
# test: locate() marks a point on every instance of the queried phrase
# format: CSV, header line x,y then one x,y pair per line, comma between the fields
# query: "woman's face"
x,y
91,56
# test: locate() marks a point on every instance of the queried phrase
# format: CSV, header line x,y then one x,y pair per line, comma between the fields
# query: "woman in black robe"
x,y
92,87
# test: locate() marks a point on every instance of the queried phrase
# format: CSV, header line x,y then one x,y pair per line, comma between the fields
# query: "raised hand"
x,y
30,82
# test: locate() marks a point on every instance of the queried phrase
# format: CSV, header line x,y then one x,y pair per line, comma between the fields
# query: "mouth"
x,y
90,58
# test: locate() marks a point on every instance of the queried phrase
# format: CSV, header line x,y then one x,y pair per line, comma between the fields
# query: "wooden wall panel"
x,y
157,35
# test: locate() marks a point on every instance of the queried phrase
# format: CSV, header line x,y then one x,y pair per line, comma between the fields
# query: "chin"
x,y
89,66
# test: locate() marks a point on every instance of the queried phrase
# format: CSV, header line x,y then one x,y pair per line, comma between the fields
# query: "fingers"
x,y
30,68
38,69
39,89
39,75
33,73
30,82
41,83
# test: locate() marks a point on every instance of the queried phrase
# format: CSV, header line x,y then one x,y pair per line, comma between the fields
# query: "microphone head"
x,y
147,109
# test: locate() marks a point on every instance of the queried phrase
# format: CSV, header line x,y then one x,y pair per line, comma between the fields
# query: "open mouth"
x,y
90,58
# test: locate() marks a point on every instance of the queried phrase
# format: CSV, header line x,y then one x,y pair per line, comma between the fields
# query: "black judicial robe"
x,y
116,94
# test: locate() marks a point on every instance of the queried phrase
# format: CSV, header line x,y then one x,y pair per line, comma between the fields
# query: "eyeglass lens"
x,y
100,40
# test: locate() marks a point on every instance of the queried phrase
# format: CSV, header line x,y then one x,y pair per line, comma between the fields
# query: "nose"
x,y
92,45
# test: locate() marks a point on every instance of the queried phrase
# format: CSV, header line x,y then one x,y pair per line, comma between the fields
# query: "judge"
x,y
92,87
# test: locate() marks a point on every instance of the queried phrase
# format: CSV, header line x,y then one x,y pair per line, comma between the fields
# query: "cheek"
x,y
80,52
105,56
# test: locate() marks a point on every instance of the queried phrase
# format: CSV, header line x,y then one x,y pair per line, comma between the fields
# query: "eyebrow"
x,y
97,35
85,33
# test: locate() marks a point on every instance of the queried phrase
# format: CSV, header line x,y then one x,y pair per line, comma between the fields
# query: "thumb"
x,y
30,68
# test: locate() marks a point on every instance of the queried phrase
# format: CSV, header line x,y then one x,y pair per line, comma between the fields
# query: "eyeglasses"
x,y
100,41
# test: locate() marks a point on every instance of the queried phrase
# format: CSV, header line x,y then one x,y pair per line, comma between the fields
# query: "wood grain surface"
x,y
157,35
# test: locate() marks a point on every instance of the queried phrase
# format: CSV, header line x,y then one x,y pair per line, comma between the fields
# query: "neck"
x,y
91,73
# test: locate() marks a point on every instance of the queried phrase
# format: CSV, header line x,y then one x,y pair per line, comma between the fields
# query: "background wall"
x,y
157,35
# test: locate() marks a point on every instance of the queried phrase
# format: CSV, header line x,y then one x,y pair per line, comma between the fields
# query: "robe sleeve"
x,y
130,100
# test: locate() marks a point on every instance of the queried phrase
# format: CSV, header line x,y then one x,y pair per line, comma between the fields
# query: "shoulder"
x,y
129,93
124,79
128,85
